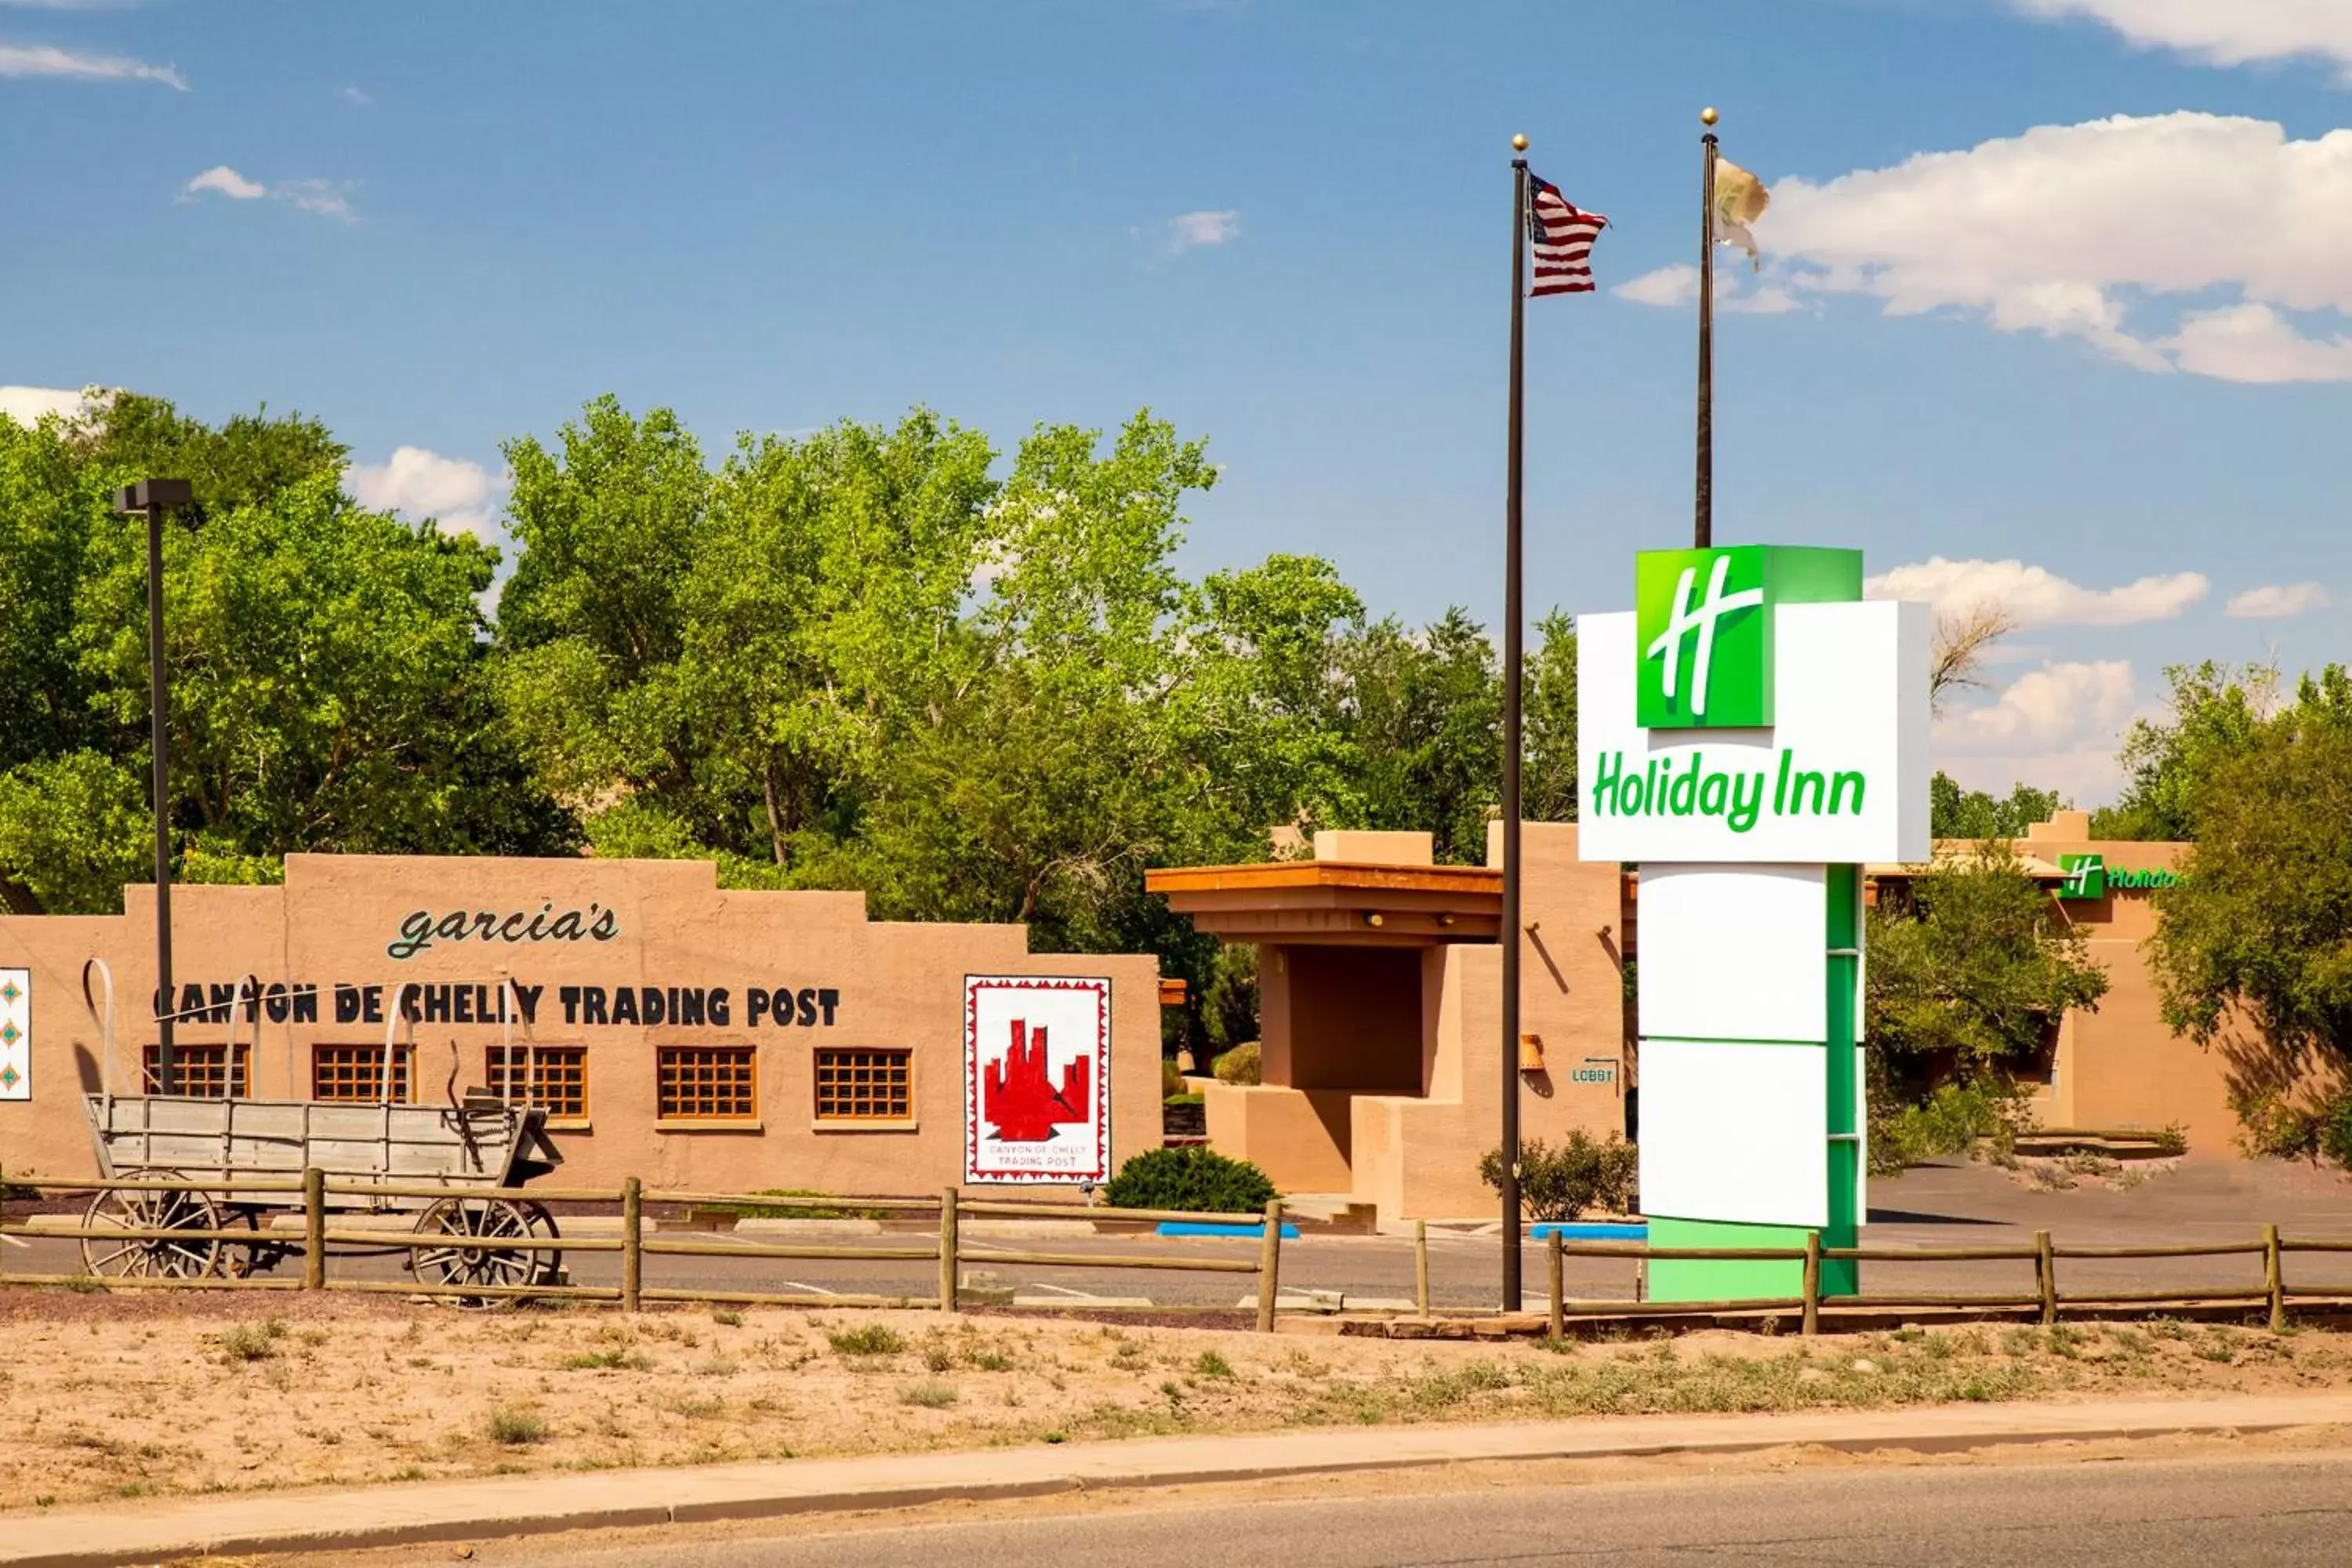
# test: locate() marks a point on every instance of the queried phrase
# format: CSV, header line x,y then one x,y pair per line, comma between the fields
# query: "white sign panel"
x,y
15,1033
1745,1141
1840,777
1037,1091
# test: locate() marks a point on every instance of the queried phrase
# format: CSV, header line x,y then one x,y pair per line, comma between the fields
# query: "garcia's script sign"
x,y
421,929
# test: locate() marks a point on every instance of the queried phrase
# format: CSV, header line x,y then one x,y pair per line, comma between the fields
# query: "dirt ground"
x,y
113,1397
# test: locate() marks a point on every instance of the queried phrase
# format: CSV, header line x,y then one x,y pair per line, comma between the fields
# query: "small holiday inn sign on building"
x,y
1751,707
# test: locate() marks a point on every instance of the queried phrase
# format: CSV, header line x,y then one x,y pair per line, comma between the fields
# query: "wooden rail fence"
x,y
321,1199
324,1203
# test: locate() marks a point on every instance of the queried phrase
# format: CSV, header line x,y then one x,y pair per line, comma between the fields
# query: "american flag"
x,y
1563,240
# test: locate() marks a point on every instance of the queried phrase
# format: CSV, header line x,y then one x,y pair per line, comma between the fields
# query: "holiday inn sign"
x,y
1751,734
1753,708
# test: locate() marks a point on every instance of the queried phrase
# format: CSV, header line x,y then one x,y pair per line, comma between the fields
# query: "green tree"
x,y
1973,814
326,664
2258,924
1971,967
2217,711
1423,719
1547,778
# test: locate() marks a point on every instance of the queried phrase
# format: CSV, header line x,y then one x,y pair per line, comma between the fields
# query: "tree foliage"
x,y
2260,921
2217,713
1971,967
1975,814
326,664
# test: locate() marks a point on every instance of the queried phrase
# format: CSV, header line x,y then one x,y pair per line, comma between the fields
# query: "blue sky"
x,y
2097,347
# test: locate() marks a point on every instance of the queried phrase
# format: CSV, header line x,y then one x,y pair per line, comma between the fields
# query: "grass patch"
x,y
1212,1365
517,1427
245,1342
610,1360
867,1339
813,1209
929,1395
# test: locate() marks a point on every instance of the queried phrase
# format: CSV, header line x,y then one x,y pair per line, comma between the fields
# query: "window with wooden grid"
x,y
203,1071
868,1083
707,1083
356,1072
552,1077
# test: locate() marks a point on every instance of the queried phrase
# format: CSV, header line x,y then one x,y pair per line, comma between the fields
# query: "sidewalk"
x,y
395,1514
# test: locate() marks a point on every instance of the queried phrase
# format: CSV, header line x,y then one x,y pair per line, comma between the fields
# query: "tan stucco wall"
x,y
1417,1032
333,919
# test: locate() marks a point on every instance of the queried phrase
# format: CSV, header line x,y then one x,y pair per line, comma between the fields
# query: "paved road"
x,y
2274,1512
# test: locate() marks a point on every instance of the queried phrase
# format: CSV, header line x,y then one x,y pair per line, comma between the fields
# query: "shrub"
x,y
1171,1079
1193,1179
1949,1122
2271,1126
2335,1130
871,1338
250,1341
929,1395
1241,1065
517,1426
1582,1173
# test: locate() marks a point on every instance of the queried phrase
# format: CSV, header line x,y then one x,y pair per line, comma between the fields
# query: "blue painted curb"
x,y
1590,1232
1188,1228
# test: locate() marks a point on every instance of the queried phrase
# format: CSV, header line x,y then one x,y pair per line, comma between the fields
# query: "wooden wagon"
x,y
473,1145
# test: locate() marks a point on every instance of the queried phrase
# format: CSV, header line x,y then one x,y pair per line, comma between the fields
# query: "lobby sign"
x,y
15,1033
1036,1090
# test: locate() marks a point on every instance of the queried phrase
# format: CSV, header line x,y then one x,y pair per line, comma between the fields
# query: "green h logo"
x,y
1702,620
2086,877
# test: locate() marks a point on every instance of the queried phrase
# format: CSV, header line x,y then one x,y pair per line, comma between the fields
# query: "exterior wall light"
x,y
1531,1054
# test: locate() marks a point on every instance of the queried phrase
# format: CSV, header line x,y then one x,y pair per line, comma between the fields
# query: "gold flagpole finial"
x,y
1707,116
1519,143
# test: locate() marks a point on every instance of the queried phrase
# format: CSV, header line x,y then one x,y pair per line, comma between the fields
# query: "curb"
x,y
493,1508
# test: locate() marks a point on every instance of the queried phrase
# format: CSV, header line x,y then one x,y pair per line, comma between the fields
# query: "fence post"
x,y
314,1229
949,1249
632,1243
1269,1265
2045,1275
1812,1318
2275,1277
1421,1266
1556,1274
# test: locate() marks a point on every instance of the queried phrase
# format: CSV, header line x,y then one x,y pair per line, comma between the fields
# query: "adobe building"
x,y
1380,979
694,1036
2121,1067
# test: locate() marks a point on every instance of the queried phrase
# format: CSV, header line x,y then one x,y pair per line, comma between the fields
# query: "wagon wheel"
x,y
490,1219
546,1268
160,1257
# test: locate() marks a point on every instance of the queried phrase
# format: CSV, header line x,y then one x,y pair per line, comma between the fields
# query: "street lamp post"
x,y
156,497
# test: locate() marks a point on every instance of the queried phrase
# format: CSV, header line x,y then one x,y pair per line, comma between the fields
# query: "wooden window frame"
x,y
403,1072
828,1107
666,1102
213,1060
499,1061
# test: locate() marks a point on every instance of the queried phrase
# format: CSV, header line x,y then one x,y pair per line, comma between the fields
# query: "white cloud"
x,y
419,484
2075,230
1186,230
2221,32
2036,595
1677,286
355,95
2254,342
2277,601
228,183
1668,286
2057,727
41,60
327,198
26,404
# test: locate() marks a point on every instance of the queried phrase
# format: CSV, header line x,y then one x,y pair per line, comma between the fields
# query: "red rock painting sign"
x,y
1037,1091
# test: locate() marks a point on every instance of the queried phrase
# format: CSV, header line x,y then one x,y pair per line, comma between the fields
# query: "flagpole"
x,y
1703,521
1513,615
